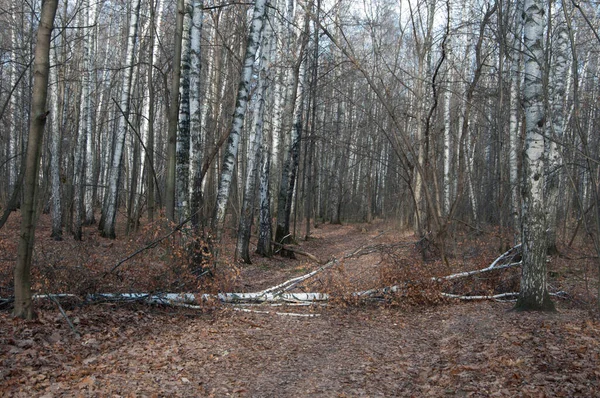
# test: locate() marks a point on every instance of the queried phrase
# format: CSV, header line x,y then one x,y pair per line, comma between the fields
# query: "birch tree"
x,y
196,130
82,170
254,150
56,138
534,293
183,130
231,149
514,123
148,113
290,164
557,91
109,214
22,273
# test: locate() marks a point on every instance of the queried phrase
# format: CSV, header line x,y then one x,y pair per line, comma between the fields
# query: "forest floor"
x,y
409,344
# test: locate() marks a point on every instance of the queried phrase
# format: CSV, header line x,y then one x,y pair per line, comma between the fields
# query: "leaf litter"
x,y
446,348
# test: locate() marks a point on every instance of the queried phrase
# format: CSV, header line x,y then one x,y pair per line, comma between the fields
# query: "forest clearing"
x,y
403,344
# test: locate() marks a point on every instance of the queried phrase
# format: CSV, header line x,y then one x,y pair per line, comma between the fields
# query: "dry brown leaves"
x,y
447,349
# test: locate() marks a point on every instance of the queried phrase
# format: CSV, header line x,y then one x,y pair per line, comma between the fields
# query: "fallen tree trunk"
x,y
470,273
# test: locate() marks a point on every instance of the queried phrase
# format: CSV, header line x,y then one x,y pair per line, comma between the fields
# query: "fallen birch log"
x,y
516,250
193,299
479,271
291,283
294,314
497,297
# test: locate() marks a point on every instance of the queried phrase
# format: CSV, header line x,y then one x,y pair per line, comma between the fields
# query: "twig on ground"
x,y
300,252
150,245
64,314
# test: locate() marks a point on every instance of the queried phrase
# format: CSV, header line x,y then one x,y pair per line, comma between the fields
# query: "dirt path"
x,y
474,349
458,350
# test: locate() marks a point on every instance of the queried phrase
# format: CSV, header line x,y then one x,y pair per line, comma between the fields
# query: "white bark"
x,y
558,83
231,150
13,133
254,153
534,293
196,123
514,125
447,182
84,133
114,172
148,110
89,149
56,137
183,133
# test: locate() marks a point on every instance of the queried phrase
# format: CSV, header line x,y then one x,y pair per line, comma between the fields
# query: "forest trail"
x,y
345,350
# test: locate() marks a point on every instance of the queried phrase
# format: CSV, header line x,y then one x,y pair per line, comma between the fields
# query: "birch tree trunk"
x,y
229,159
196,130
55,151
254,152
290,165
514,128
108,220
85,127
557,91
147,129
534,293
89,191
22,274
447,160
183,133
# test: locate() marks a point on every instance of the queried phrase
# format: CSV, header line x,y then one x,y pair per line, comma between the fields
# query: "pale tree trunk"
x,y
55,150
557,88
88,200
23,306
534,293
109,215
254,152
13,133
229,159
447,135
85,127
514,129
290,165
183,132
196,130
147,128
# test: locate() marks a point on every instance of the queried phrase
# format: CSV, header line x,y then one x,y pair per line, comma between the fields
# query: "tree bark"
x,y
557,91
183,133
196,130
534,293
56,138
254,153
22,274
111,202
174,116
231,150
